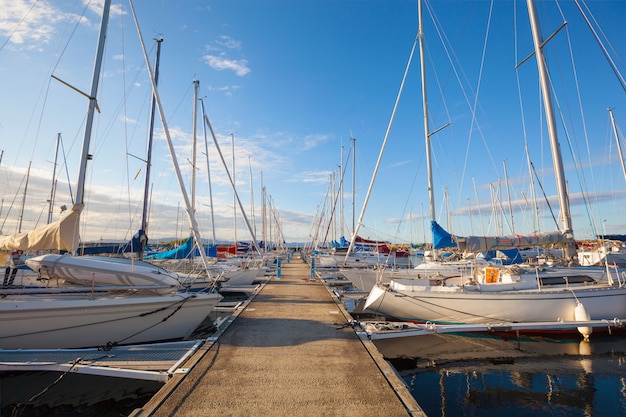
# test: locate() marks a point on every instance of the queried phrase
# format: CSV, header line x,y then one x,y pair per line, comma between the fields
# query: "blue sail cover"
x,y
514,256
441,238
183,251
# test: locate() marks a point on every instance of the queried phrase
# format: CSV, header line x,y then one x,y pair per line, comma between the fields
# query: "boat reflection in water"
x,y
487,375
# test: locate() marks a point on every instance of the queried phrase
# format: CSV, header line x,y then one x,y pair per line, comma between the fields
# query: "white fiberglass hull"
x,y
365,279
442,304
50,322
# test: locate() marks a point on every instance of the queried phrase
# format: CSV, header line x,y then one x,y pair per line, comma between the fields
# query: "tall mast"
x,y
232,136
208,170
429,167
190,214
263,214
82,171
53,185
559,172
341,220
196,84
353,139
146,187
252,197
619,145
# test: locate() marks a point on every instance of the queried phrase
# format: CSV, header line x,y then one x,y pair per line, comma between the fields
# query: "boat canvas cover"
x,y
184,251
441,238
488,243
59,235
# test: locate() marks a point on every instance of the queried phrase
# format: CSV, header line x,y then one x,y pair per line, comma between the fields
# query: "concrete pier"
x,y
290,352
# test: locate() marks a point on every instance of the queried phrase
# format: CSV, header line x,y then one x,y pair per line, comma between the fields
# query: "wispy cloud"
x,y
312,141
218,59
319,177
27,24
221,62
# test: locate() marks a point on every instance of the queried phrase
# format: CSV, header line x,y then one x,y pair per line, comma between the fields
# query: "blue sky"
x,y
292,81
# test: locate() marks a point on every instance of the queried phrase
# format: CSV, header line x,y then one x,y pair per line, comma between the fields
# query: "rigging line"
x,y
382,149
579,173
475,104
336,197
17,192
164,319
55,382
126,144
533,196
616,71
544,195
586,135
452,58
76,26
407,201
67,174
52,67
417,301
18,25
177,305
572,148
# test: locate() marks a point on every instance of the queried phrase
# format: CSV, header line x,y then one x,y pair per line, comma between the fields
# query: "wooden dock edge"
x,y
159,398
393,379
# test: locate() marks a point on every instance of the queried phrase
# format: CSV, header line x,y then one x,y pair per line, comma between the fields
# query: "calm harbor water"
x,y
458,375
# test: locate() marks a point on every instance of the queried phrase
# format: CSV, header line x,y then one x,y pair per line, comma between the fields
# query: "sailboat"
x,y
516,294
93,301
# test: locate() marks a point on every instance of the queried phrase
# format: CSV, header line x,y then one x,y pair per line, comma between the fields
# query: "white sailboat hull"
x,y
455,305
71,321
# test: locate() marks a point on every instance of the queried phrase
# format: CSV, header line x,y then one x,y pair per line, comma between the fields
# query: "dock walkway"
x,y
291,352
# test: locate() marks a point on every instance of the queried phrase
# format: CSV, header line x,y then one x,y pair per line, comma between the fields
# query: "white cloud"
x,y
27,24
220,63
312,141
228,42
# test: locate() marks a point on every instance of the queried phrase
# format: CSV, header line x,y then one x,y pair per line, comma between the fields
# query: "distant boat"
x,y
92,301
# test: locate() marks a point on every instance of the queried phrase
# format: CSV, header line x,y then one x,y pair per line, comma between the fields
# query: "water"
x,y
457,375
37,393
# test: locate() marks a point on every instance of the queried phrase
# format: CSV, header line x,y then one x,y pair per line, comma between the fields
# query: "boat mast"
x,y
85,156
619,146
353,139
429,168
559,172
208,170
190,214
196,85
252,196
232,136
263,215
232,183
146,187
53,186
341,170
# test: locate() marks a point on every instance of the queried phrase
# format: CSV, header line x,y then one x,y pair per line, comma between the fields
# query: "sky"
x,y
287,84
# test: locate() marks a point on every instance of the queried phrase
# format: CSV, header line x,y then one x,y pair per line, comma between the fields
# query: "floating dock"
x,y
290,351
